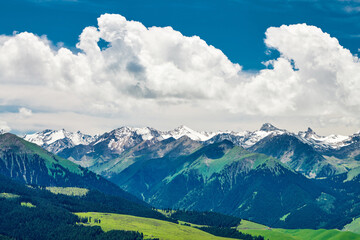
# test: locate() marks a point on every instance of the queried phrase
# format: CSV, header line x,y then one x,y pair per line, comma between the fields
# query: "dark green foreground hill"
x,y
31,164
29,212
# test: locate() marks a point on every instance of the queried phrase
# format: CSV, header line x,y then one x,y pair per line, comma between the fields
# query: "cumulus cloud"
x,y
328,75
141,63
152,69
24,112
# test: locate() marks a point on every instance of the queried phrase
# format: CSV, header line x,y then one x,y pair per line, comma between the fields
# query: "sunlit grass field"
x,y
151,228
296,234
69,191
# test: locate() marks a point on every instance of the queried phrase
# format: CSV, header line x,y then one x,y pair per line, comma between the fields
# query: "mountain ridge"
x,y
331,155
243,138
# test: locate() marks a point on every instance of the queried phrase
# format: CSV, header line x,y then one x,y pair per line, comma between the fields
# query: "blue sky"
x,y
223,65
236,27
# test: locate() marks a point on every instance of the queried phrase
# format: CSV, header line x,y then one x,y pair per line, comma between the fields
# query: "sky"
x,y
212,65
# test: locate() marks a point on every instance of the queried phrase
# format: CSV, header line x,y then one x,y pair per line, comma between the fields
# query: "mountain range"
x,y
51,139
306,152
239,173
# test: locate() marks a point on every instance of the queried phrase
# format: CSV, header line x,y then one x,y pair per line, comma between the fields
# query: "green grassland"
x,y
8,195
295,234
304,234
244,224
27,204
151,228
354,226
166,213
191,224
69,191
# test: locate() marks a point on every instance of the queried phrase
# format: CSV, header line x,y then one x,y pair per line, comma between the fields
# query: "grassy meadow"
x,y
151,228
295,234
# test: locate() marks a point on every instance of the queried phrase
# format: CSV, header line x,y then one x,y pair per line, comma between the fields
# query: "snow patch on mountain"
x,y
324,142
186,131
57,140
246,139
125,137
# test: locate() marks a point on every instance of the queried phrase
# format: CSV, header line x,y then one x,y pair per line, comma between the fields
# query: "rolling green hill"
x,y
165,230
303,234
151,228
354,226
295,234
35,209
32,212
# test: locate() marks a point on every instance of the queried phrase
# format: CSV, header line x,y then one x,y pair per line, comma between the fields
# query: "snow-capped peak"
x,y
48,138
146,133
186,131
125,137
267,127
251,138
308,134
331,141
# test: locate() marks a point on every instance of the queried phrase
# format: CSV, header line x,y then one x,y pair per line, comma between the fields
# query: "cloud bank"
x,y
124,68
4,127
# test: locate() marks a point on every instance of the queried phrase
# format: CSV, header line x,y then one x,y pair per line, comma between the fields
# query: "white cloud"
x,y
4,127
24,112
328,74
157,70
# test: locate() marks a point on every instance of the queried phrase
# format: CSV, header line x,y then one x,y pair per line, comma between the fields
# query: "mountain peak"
x,y
268,127
11,141
310,131
183,130
183,127
55,140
